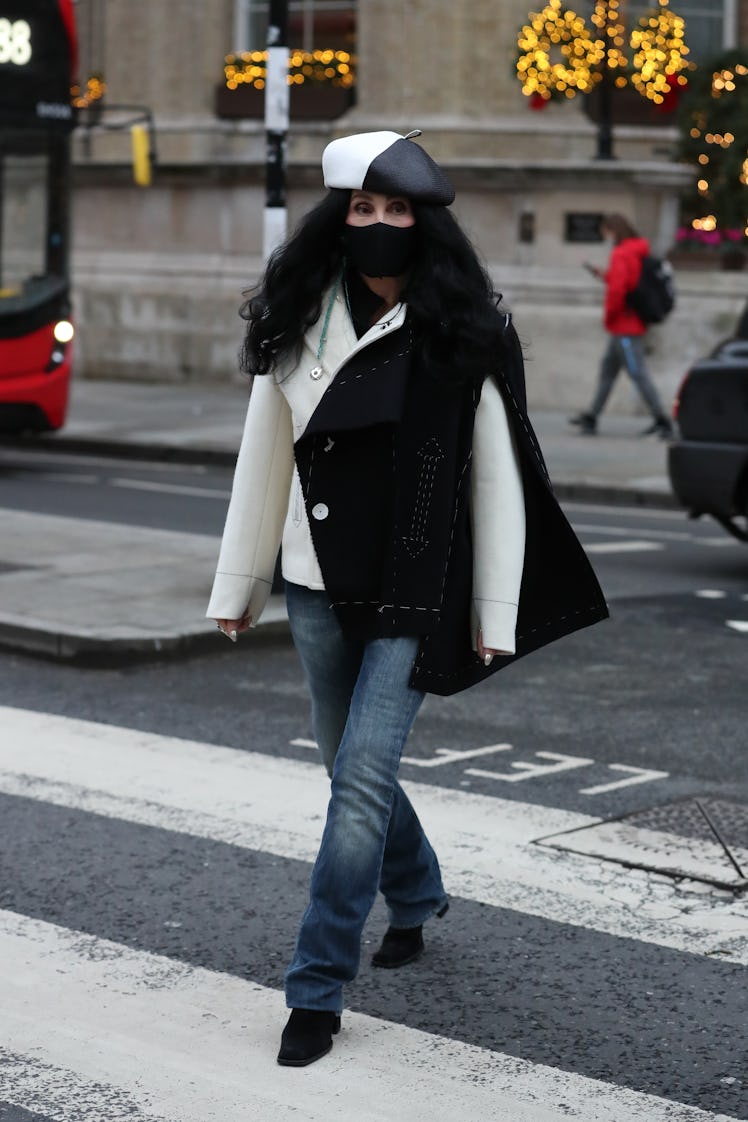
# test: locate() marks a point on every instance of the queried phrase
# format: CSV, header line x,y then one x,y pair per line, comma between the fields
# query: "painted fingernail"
x,y
488,659
232,636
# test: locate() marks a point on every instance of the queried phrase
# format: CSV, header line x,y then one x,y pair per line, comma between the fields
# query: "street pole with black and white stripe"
x,y
276,127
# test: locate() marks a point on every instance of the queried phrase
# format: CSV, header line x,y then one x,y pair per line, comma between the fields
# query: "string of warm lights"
x,y
607,19
720,165
658,46
580,54
660,53
723,81
336,68
93,92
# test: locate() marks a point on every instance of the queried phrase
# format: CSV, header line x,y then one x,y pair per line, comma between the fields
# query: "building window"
x,y
705,24
312,24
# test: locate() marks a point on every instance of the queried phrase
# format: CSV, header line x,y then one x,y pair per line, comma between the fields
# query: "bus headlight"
x,y
63,331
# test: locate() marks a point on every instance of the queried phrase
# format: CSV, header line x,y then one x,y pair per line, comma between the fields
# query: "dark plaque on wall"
x,y
526,230
580,227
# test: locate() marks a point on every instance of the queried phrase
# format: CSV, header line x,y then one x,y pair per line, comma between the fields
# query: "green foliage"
x,y
713,125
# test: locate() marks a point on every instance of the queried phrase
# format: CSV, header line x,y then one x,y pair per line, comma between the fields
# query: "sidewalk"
x,y
73,588
204,423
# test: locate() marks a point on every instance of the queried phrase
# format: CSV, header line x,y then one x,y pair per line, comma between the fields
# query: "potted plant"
x,y
703,246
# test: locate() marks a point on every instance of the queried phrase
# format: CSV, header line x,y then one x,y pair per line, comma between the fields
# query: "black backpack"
x,y
654,296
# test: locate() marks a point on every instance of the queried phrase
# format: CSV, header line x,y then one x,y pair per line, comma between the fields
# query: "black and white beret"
x,y
386,163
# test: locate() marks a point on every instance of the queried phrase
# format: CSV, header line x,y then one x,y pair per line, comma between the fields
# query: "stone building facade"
x,y
160,270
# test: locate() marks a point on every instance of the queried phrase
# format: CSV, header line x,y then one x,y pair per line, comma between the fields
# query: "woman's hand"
x,y
485,653
233,627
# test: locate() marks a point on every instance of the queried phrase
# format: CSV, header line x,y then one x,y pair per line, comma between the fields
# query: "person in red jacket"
x,y
625,328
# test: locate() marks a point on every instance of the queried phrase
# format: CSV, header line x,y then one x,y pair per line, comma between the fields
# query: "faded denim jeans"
x,y
628,351
362,712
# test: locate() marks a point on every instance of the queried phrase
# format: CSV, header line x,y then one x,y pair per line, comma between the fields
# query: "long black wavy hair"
x,y
450,298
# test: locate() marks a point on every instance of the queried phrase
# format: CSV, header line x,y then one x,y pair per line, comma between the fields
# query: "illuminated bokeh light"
x,y
607,19
724,83
321,67
660,53
558,54
94,91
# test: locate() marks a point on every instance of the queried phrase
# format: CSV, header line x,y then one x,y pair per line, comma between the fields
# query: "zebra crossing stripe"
x,y
95,1030
256,801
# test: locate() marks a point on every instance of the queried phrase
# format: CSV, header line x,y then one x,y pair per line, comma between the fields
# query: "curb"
x,y
123,449
218,457
608,493
95,651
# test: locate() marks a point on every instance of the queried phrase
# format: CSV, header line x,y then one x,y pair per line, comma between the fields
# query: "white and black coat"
x,y
384,462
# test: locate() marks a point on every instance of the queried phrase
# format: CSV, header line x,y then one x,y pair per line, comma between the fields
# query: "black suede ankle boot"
x,y
307,1036
402,945
399,946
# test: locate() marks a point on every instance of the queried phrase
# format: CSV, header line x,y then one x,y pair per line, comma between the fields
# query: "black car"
x,y
708,462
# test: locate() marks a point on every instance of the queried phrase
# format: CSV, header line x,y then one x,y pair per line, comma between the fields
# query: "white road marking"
x,y
170,488
66,477
638,775
39,455
448,756
623,547
532,771
740,625
710,593
627,511
124,1031
444,756
626,532
278,806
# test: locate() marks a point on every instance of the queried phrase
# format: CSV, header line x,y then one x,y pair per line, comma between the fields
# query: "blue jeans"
x,y
628,351
362,712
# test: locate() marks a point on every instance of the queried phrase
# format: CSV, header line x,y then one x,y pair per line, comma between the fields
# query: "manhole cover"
x,y
704,839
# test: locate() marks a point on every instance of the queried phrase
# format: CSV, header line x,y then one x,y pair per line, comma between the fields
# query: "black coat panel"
x,y
384,465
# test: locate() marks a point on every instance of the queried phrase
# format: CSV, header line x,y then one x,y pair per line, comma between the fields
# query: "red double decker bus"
x,y
37,66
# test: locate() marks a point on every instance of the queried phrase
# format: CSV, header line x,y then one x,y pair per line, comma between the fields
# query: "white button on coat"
x,y
320,511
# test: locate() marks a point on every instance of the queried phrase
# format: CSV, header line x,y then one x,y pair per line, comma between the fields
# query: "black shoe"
x,y
661,427
399,946
586,422
402,945
307,1036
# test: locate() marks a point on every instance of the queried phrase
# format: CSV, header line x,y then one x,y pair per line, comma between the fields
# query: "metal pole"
x,y
605,128
241,26
276,127
730,28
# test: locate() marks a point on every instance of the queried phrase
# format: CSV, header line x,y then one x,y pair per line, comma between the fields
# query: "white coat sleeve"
x,y
258,506
498,521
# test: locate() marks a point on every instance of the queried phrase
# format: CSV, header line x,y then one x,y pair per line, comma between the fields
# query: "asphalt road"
x,y
641,711
157,495
660,686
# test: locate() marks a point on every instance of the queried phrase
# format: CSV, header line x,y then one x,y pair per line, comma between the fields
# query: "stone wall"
x,y
174,317
159,272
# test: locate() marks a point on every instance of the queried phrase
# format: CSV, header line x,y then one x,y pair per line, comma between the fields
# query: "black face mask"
x,y
380,250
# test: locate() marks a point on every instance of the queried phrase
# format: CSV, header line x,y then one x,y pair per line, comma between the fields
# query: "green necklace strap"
x,y
328,313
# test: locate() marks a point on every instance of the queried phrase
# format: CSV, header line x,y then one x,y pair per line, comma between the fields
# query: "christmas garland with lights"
x,y
322,67
554,27
658,45
660,54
